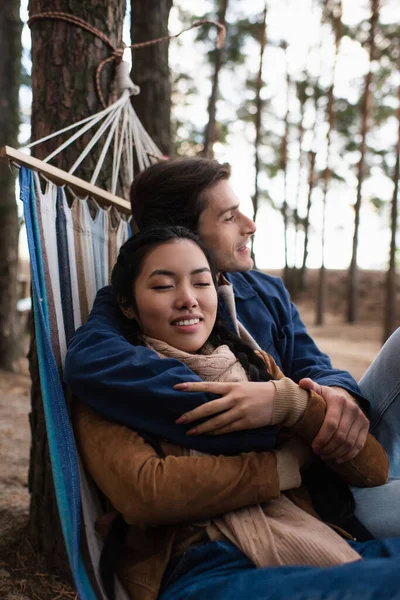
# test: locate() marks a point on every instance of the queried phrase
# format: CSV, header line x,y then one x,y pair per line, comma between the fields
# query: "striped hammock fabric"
x,y
72,251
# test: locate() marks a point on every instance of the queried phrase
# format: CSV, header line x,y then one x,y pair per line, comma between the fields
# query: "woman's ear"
x,y
129,312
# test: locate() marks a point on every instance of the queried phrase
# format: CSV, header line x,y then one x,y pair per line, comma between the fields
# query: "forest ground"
x,y
22,574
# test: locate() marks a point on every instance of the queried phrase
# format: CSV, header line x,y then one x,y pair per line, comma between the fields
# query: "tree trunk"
x,y
330,113
284,164
352,308
311,184
258,121
391,278
64,61
302,98
10,72
150,71
209,135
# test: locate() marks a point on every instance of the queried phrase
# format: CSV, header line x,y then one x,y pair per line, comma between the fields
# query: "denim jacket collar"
x,y
243,290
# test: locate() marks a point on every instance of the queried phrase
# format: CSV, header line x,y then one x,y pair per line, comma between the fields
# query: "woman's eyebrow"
x,y
162,272
173,274
201,270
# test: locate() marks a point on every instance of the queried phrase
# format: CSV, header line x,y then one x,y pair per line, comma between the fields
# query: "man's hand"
x,y
244,405
345,427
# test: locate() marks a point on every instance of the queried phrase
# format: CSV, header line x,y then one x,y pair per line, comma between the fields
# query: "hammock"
x,y
73,247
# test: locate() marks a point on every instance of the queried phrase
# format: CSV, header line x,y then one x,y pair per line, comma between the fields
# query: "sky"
x,y
297,22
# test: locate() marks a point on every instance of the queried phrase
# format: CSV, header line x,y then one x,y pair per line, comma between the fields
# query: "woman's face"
x,y
175,296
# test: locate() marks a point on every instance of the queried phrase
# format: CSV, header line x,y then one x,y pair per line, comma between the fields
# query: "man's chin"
x,y
240,266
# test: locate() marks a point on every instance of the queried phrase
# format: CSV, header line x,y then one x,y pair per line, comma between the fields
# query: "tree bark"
x,y
302,98
10,73
326,177
284,166
64,61
150,71
311,185
258,121
390,312
352,308
210,134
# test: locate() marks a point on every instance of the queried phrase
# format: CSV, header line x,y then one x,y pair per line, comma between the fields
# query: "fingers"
x,y
238,425
309,384
205,410
328,428
357,447
342,442
343,433
214,387
217,425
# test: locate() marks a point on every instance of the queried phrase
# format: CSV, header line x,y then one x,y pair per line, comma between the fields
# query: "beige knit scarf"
x,y
278,532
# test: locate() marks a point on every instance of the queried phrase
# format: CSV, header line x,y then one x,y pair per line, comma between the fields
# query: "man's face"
x,y
225,230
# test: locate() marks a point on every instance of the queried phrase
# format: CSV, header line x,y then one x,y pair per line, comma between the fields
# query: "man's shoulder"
x,y
105,311
256,281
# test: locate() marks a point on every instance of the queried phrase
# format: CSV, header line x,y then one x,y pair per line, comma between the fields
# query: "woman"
x,y
167,288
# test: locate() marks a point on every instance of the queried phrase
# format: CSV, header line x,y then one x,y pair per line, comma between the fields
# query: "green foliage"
x,y
378,204
347,118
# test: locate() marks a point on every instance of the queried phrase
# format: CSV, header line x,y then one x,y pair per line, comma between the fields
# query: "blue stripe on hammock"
x,y
61,443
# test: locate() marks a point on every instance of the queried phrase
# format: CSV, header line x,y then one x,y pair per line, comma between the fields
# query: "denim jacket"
x,y
132,386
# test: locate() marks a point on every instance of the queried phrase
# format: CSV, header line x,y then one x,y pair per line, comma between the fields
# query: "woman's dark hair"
x,y
171,192
128,267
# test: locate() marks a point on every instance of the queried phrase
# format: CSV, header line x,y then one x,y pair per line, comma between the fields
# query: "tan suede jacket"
x,y
159,497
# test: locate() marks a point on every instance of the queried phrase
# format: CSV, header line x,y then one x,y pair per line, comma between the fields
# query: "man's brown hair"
x,y
171,192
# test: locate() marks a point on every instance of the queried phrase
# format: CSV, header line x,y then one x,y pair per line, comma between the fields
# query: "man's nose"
x,y
249,226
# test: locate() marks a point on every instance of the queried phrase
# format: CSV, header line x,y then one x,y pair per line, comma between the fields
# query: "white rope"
x,y
124,81
95,138
114,172
69,127
76,135
138,143
105,147
118,150
124,129
129,152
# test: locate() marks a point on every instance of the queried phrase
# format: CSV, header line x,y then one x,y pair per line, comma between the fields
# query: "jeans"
x,y
219,571
379,508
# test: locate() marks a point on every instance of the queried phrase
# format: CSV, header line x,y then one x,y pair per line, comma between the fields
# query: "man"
x,y
114,377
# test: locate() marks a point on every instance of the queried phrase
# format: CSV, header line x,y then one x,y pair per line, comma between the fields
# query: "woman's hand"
x,y
244,405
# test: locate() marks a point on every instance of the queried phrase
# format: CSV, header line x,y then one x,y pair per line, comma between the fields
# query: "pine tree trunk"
x,y
296,213
258,121
64,60
150,71
352,308
284,165
330,113
311,184
391,277
10,72
210,133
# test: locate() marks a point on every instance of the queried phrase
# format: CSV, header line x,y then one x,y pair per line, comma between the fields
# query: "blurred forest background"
x,y
303,99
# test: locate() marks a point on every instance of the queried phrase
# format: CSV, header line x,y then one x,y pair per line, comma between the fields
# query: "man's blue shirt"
x,y
132,386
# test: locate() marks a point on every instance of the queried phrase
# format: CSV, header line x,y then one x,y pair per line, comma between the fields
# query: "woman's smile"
x,y
176,300
188,324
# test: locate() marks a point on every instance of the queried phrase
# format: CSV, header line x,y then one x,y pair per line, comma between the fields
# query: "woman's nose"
x,y
186,299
